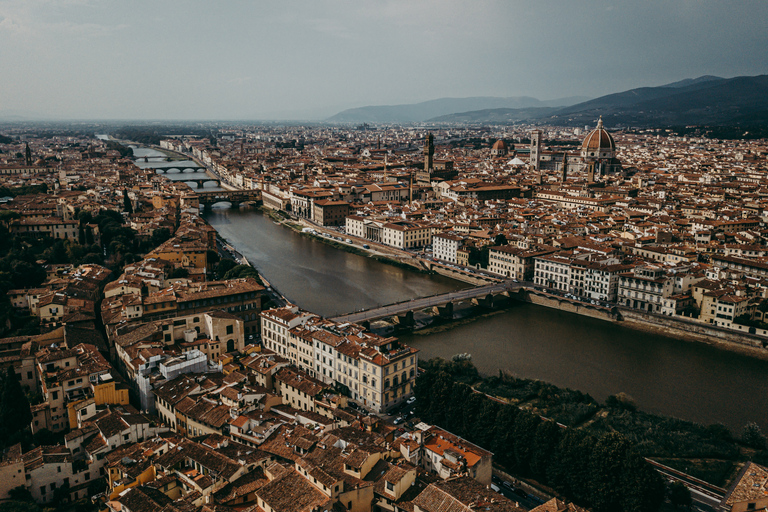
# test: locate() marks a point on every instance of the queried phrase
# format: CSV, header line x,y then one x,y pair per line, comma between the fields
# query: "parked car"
x,y
366,246
411,400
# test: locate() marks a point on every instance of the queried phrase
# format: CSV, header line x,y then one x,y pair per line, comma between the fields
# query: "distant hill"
x,y
495,115
707,100
418,112
703,101
693,81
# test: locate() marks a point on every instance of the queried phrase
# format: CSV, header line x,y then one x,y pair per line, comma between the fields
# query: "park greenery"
x,y
711,452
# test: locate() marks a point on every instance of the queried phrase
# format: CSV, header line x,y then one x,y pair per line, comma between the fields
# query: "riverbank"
x,y
299,228
679,328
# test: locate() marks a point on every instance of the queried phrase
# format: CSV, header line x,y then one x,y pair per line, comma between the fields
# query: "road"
x,y
425,302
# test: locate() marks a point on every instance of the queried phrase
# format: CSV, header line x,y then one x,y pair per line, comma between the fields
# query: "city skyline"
x,y
81,59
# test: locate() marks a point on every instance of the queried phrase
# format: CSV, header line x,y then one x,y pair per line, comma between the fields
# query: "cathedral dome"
x,y
598,144
499,148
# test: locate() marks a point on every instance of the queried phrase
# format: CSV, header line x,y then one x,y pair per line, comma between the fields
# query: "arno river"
x,y
683,379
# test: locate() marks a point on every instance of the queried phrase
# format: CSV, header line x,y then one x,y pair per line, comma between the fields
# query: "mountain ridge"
x,y
419,112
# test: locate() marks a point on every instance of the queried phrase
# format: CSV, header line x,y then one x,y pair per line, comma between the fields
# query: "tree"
x,y
127,205
525,432
179,273
752,436
606,470
679,495
15,414
20,493
19,506
544,443
642,488
159,236
224,266
500,239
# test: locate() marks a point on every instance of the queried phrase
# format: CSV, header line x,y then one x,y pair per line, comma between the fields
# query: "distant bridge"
x,y
182,168
484,293
234,197
199,183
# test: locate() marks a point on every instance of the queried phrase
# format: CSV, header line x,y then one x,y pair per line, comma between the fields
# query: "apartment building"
x,y
445,247
378,372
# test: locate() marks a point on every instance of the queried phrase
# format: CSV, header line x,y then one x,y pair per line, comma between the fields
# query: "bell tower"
x,y
429,152
535,149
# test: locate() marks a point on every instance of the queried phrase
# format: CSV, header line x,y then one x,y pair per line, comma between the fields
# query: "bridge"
x,y
184,168
199,183
151,157
484,293
234,197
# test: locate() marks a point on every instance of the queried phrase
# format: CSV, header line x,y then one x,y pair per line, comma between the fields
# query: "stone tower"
x,y
429,152
565,167
27,155
535,149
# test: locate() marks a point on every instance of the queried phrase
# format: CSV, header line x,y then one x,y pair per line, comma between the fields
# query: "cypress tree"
x,y
15,414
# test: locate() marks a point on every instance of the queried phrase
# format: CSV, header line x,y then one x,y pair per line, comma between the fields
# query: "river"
x,y
687,380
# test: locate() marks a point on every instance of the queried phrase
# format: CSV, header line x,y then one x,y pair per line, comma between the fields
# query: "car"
x,y
398,420
366,246
411,400
508,485
348,241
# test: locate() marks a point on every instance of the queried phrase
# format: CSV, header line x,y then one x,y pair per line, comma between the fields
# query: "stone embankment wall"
x,y
674,327
694,331
563,304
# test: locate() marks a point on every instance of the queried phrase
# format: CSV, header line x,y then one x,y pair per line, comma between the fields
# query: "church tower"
x,y
429,152
535,149
27,155
565,167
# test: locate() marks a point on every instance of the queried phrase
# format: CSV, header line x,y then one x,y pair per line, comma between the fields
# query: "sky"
x,y
251,60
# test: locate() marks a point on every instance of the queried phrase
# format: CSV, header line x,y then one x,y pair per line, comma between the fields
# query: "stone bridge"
x,y
181,168
234,197
484,295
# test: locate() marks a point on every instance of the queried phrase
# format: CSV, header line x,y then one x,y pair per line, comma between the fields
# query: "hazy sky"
x,y
158,59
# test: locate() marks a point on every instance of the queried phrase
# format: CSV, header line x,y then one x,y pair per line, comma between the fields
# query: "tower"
x,y
591,175
27,155
565,166
429,152
535,149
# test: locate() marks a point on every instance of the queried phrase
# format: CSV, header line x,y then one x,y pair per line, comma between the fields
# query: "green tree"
x,y
19,506
642,488
500,239
179,273
224,266
127,205
752,436
15,414
544,444
606,470
679,495
20,493
525,432
159,236
568,471
503,443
